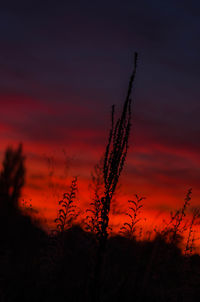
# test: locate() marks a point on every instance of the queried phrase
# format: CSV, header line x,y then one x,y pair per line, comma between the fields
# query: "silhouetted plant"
x,y
135,206
67,213
113,163
114,157
92,219
12,177
97,190
177,225
190,243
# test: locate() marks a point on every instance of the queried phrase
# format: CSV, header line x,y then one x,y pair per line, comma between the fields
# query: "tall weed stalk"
x,y
113,163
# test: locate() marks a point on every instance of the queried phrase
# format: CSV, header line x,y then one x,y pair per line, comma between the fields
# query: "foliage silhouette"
x,y
113,163
67,213
21,237
93,217
115,156
12,178
175,228
135,206
190,244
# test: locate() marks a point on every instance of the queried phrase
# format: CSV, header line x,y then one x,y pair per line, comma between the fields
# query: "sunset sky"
x,y
62,66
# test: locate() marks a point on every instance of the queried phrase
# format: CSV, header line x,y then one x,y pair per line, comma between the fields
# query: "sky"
x,y
62,66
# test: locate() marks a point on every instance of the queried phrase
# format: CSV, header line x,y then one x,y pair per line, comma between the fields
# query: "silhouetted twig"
x,y
67,213
176,226
135,206
189,248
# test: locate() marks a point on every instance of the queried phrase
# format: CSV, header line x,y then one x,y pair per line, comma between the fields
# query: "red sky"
x,y
60,76
155,168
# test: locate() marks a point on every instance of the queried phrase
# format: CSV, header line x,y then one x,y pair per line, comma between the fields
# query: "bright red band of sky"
x,y
161,172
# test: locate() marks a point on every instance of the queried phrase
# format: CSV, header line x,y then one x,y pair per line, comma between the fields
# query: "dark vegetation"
x,y
83,262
